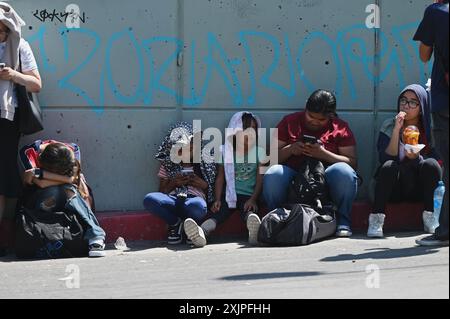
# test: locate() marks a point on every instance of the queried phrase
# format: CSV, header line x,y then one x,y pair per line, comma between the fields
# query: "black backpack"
x,y
44,235
300,225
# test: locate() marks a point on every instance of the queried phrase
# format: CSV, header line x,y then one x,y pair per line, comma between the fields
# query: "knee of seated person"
x,y
151,200
388,168
390,165
431,166
341,170
197,203
274,173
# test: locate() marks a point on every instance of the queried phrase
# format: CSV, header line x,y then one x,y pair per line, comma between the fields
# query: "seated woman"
x,y
59,192
29,156
185,187
405,174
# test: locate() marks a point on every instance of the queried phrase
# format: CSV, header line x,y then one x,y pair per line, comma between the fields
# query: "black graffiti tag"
x,y
45,15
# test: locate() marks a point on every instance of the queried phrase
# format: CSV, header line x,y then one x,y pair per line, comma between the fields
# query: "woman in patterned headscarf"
x,y
186,187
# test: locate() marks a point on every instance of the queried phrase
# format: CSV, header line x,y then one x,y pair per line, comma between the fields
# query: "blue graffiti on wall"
x,y
218,63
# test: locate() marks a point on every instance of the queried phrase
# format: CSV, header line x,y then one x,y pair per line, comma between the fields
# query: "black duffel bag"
x,y
299,225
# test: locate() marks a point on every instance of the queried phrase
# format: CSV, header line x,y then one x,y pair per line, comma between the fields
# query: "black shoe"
x,y
97,250
175,236
432,241
3,252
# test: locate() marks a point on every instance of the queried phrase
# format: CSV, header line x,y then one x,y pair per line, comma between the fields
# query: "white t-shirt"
x,y
27,57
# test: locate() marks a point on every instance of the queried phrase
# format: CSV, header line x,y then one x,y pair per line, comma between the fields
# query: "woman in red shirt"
x,y
335,148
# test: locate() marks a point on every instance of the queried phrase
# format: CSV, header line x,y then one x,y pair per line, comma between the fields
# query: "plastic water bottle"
x,y
438,199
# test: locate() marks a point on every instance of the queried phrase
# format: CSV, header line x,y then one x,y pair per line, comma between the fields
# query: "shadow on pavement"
x,y
383,253
271,275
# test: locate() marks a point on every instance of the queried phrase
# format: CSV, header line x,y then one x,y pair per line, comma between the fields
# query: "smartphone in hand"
x,y
2,66
187,172
308,139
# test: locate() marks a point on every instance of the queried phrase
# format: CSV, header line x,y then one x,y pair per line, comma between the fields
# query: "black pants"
x,y
225,212
10,183
440,131
402,182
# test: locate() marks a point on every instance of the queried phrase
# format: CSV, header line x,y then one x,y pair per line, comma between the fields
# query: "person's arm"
x,y
425,52
46,183
198,182
382,144
29,177
286,151
218,189
392,149
57,178
252,203
166,186
258,186
30,79
346,154
85,192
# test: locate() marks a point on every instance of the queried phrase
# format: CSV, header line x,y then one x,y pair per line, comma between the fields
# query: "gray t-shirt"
x,y
27,57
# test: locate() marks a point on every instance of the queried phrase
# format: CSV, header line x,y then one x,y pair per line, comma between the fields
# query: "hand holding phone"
x,y
187,172
308,139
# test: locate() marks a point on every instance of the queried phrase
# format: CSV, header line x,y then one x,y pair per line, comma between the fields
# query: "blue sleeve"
x,y
382,145
426,33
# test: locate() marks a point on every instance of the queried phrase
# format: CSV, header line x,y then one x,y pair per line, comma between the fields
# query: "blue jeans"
x,y
172,210
341,179
56,198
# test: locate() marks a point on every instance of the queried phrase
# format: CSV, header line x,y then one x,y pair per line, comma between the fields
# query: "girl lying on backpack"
x,y
60,192
36,175
240,173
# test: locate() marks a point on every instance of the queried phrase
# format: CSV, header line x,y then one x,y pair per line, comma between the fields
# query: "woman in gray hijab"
x,y
13,50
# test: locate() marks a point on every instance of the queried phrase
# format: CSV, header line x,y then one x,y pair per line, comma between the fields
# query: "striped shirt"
x,y
191,190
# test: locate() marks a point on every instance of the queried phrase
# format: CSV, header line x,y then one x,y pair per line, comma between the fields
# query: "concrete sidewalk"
x,y
337,268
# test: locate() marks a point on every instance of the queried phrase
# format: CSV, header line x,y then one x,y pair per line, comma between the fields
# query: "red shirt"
x,y
333,136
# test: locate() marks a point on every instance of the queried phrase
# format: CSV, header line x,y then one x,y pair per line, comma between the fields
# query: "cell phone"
x,y
2,66
187,171
308,139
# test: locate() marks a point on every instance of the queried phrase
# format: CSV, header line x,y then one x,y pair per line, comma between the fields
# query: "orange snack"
x,y
411,135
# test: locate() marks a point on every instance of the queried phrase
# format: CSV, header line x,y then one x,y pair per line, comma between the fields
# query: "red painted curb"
x,y
141,225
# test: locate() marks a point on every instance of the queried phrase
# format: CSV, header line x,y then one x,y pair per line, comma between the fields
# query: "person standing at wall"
x,y
13,48
433,36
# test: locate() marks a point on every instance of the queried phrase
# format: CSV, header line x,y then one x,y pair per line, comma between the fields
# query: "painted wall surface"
x,y
114,84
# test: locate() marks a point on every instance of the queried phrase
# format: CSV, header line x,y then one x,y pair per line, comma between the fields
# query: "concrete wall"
x,y
114,84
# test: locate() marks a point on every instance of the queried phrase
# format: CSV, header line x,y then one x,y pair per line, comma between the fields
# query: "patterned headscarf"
x,y
182,133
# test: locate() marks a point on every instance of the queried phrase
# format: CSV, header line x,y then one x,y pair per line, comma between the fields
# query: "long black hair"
x,y
323,102
59,159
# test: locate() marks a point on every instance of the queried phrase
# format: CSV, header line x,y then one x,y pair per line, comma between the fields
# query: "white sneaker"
x,y
429,224
97,250
194,233
253,224
376,223
344,232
